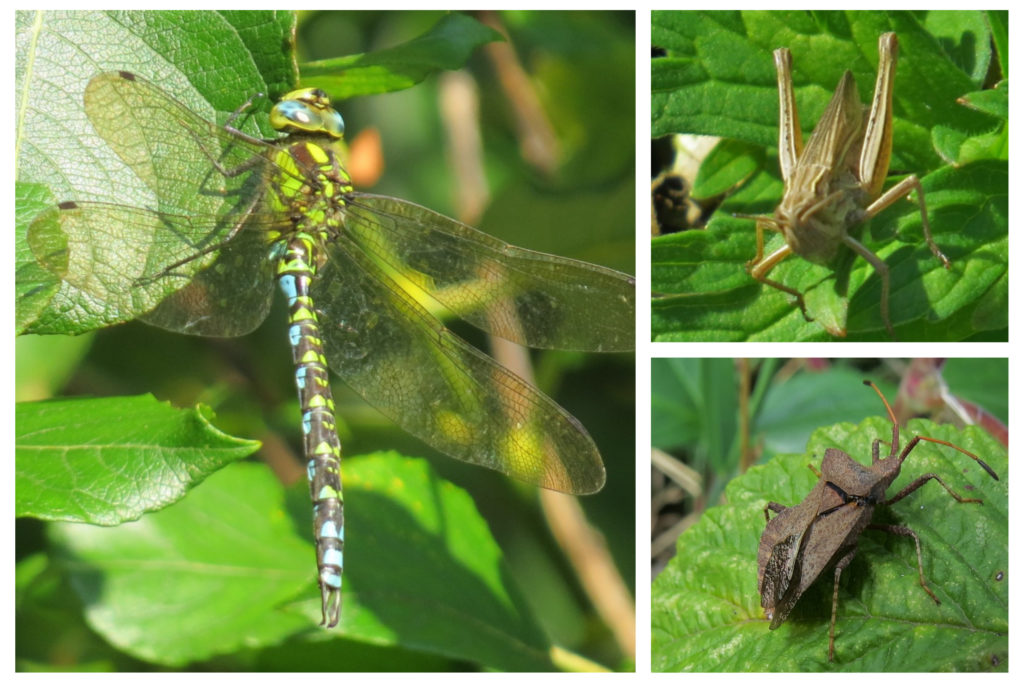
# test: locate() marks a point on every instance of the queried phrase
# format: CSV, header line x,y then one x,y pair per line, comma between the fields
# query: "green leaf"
x,y
717,79
995,102
203,577
172,596
727,164
174,49
998,21
451,592
706,613
110,460
446,46
693,401
793,409
34,285
57,54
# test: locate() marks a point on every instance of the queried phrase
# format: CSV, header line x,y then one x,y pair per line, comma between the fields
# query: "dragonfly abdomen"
x,y
296,269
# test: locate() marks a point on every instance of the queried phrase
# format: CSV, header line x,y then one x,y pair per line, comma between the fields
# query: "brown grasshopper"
x,y
821,532
834,182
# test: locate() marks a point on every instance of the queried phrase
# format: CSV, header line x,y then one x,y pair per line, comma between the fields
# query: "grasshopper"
x,y
803,541
834,182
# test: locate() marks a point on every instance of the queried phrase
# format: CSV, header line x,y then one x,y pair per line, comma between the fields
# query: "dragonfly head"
x,y
307,110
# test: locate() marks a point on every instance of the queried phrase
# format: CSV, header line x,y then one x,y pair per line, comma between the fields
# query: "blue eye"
x,y
308,111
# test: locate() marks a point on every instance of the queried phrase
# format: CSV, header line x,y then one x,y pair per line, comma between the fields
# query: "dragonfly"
x,y
234,213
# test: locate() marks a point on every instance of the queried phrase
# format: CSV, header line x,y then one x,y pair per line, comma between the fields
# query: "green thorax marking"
x,y
311,183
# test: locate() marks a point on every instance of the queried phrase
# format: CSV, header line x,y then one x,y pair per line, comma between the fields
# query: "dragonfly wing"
x,y
435,386
173,150
118,257
206,183
229,298
529,297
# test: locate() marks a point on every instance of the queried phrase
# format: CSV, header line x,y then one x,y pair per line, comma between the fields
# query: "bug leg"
x,y
904,531
919,482
883,273
913,442
895,428
760,225
875,457
774,507
840,566
899,191
230,123
791,144
759,267
876,149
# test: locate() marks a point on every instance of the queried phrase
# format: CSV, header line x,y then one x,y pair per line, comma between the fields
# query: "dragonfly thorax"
x,y
307,110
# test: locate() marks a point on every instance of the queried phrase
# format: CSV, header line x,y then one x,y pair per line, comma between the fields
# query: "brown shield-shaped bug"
x,y
820,533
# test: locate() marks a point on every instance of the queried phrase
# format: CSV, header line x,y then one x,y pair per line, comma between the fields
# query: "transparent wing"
x,y
120,255
174,151
435,386
199,250
532,298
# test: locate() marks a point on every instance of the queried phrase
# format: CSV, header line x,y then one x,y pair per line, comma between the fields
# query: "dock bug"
x,y
820,533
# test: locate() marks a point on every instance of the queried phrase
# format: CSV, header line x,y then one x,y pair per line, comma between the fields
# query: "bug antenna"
x,y
888,408
754,217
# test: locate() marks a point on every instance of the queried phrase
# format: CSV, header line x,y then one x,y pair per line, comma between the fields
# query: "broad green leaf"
x,y
34,285
110,460
995,102
729,163
717,78
706,613
998,21
174,49
56,56
963,35
691,402
203,577
793,409
451,592
422,571
446,46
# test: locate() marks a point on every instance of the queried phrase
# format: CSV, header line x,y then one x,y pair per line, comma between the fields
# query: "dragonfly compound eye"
x,y
307,111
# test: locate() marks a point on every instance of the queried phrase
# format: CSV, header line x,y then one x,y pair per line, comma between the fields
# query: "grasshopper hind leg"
x,y
899,191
